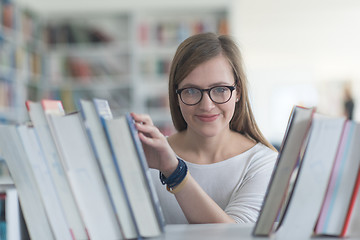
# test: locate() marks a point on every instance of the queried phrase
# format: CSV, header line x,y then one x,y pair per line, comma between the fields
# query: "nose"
x,y
206,103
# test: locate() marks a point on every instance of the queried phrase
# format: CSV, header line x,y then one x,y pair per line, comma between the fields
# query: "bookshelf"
x,y
129,66
89,57
21,60
11,226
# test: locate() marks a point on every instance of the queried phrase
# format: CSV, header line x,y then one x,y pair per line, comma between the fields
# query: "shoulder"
x,y
261,158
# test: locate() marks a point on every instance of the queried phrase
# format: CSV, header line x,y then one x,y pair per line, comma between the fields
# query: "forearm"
x,y
198,207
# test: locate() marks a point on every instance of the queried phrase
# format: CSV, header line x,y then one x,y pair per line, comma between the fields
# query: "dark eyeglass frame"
x,y
231,88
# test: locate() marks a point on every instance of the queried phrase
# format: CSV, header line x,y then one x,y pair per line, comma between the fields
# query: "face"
x,y
207,118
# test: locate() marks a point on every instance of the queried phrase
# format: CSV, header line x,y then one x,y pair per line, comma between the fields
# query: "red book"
x,y
353,200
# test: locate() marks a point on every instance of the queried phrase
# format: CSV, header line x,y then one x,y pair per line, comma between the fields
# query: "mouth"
x,y
208,118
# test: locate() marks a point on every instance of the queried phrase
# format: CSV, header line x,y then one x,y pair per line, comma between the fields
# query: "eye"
x,y
220,90
190,91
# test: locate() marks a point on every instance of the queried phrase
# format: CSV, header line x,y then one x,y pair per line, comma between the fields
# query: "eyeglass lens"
x,y
193,96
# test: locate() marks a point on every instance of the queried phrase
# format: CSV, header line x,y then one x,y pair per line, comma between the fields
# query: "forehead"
x,y
212,72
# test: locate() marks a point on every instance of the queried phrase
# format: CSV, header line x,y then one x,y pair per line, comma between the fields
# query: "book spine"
x,y
145,169
354,197
93,146
117,168
321,222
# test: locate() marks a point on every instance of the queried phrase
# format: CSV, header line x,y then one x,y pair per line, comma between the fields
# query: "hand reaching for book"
x,y
158,152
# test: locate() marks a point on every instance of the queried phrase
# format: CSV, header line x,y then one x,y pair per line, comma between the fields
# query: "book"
x,y
352,220
10,214
314,172
31,204
62,186
44,183
84,176
2,215
134,171
145,169
342,182
288,159
113,180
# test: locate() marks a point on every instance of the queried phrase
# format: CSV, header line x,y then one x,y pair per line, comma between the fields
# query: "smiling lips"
x,y
207,118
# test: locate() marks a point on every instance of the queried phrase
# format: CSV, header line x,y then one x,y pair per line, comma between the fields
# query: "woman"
x,y
218,164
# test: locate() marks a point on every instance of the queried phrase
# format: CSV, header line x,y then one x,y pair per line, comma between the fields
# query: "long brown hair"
x,y
198,49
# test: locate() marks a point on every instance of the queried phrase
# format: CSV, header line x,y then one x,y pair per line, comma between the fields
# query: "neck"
x,y
206,150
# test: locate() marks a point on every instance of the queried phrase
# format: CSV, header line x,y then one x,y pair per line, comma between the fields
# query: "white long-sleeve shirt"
x,y
238,185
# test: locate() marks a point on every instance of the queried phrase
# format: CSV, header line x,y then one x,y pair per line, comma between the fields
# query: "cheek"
x,y
185,110
229,108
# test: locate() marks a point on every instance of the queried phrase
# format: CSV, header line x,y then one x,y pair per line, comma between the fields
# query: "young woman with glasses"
x,y
216,167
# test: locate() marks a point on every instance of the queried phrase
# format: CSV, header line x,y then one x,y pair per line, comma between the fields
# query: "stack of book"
x,y
84,175
81,175
314,187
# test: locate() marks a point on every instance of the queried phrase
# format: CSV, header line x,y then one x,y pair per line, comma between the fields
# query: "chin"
x,y
208,131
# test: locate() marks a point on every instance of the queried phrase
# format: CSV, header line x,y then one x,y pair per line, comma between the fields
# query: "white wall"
x,y
298,52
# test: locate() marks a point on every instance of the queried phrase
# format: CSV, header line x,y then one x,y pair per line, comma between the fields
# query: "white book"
x,y
110,172
136,179
32,206
57,172
341,185
288,158
311,183
12,215
84,177
44,182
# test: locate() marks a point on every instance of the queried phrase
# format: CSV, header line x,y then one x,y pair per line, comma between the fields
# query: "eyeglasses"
x,y
218,94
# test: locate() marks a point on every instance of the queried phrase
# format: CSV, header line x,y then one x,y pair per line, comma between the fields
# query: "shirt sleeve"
x,y
246,201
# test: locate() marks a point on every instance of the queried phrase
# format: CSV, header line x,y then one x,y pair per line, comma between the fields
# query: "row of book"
x,y
170,32
155,66
84,175
119,97
84,69
6,98
14,18
70,33
81,175
314,187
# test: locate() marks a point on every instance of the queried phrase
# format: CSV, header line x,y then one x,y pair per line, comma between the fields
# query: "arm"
x,y
197,206
247,199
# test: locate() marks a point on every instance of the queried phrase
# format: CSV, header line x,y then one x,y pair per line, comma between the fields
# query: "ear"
x,y
238,95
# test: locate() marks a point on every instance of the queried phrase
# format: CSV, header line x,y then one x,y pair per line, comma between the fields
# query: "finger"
x,y
149,130
146,140
142,118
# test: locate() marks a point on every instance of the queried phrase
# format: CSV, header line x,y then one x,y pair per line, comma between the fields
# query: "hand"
x,y
158,152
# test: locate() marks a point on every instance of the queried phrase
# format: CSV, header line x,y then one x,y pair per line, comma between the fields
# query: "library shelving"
x,y
89,57
21,59
123,57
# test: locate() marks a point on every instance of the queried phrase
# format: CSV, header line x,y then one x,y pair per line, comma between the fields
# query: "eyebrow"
x,y
212,85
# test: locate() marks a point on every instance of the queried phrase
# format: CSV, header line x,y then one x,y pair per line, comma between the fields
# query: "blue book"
x,y
145,168
109,169
131,163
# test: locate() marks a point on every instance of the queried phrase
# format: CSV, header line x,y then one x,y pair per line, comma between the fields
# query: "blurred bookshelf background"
x,y
303,53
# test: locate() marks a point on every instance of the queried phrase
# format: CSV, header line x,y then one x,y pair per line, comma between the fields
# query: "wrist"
x,y
170,167
177,178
